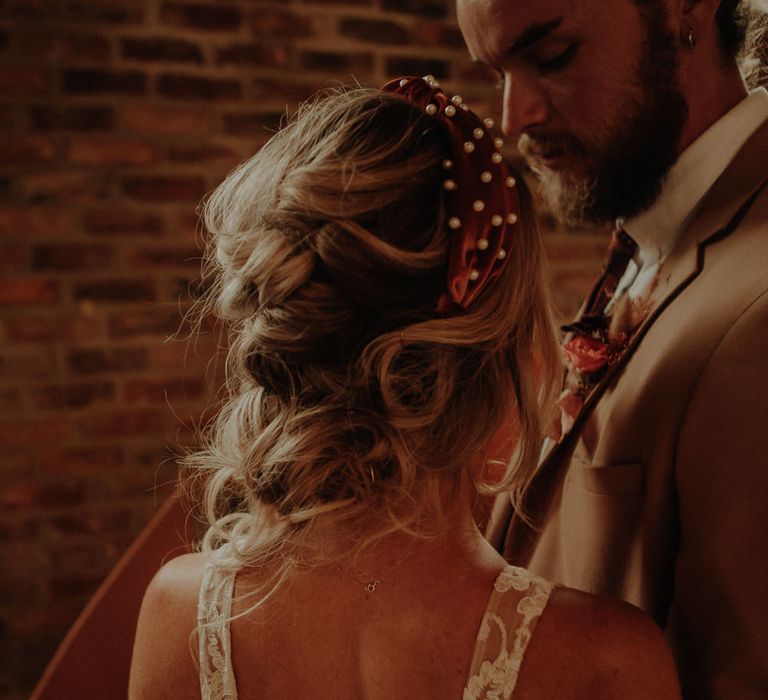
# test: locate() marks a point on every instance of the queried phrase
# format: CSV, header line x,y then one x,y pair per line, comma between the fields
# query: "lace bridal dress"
x,y
505,630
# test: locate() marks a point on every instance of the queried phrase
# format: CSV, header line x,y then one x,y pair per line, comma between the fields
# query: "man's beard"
x,y
627,175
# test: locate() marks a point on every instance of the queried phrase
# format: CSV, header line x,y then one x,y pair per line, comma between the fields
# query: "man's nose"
x,y
526,105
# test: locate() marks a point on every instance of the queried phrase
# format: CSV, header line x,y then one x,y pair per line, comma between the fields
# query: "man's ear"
x,y
698,16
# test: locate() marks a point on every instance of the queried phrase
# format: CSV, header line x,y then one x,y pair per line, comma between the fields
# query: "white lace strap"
x,y
217,680
495,666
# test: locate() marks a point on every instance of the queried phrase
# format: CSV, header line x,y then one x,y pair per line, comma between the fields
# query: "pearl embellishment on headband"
x,y
449,185
474,275
454,223
447,164
478,205
489,123
478,133
498,142
482,244
469,147
450,111
496,220
501,254
510,182
457,100
512,218
486,177
496,158
431,110
403,82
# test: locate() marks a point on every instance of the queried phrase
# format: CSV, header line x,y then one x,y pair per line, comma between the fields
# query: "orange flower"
x,y
586,355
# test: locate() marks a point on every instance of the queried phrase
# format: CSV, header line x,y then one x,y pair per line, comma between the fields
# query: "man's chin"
x,y
566,195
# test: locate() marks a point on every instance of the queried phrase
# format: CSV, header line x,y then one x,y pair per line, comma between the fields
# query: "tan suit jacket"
x,y
659,493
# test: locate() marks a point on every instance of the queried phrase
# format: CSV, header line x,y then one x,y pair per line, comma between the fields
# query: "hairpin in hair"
x,y
481,200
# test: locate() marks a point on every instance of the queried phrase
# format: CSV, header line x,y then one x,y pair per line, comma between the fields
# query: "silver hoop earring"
x,y
691,39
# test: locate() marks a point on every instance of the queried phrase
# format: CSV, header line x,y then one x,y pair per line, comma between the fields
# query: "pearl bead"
x,y
474,275
457,100
403,82
498,142
469,147
447,164
486,176
464,106
512,219
510,182
450,111
478,205
449,185
489,123
478,133
496,158
496,220
454,222
429,78
501,254
482,244
431,110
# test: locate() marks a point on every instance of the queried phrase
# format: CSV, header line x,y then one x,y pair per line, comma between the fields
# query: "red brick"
x,y
205,16
255,54
51,328
432,33
224,156
80,460
51,187
120,221
334,62
17,363
412,65
193,87
116,290
288,91
23,81
92,151
115,12
28,495
81,81
424,8
96,361
73,396
93,522
13,256
182,354
374,31
161,50
17,433
28,290
11,400
71,256
164,120
110,424
163,390
165,257
27,149
148,321
157,188
23,222
80,47
78,118
253,123
270,23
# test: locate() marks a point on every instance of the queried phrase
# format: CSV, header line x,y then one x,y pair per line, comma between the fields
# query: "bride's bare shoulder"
x,y
603,649
163,664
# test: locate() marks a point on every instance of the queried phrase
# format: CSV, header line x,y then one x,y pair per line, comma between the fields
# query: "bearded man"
x,y
655,489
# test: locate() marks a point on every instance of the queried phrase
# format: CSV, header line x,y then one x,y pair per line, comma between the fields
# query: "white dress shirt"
x,y
657,229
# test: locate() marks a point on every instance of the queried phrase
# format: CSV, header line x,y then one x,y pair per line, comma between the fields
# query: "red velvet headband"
x,y
482,202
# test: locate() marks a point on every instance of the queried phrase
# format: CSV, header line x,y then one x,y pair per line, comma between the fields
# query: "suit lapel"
x,y
718,215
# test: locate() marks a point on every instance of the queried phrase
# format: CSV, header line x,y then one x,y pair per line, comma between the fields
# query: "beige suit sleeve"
x,y
719,617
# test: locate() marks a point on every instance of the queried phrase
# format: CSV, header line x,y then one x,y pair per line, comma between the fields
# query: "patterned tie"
x,y
620,251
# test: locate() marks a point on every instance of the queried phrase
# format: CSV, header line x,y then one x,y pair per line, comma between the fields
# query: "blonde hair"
x,y
349,398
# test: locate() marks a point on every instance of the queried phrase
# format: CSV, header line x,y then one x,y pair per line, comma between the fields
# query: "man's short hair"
x,y
732,20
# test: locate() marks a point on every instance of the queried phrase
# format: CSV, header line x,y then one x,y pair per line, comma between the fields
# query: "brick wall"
x,y
116,116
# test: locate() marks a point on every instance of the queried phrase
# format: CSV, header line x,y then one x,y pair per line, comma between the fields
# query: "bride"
x,y
379,269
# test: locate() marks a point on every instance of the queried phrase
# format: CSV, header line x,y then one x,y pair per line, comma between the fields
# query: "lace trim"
x,y
496,679
217,680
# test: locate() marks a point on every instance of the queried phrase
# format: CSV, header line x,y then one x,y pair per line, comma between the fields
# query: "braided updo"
x,y
349,397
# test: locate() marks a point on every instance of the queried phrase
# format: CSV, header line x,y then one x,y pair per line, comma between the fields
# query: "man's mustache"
x,y
542,146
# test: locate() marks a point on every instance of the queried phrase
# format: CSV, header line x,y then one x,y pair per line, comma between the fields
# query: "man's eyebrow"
x,y
533,34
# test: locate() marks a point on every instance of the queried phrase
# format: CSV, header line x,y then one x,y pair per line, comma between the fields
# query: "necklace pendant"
x,y
372,586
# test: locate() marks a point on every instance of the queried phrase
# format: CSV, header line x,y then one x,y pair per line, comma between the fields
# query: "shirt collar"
x,y
657,229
